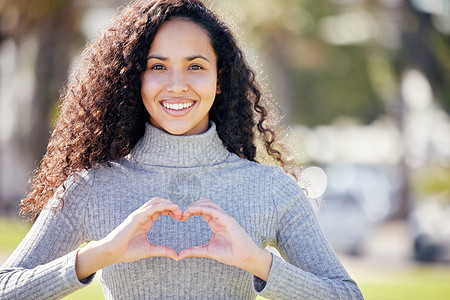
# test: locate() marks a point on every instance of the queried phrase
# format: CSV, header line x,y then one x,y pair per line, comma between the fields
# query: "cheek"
x,y
207,86
150,85
148,92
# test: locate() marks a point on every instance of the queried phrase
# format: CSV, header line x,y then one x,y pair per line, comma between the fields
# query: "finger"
x,y
148,215
203,202
205,210
211,216
207,203
173,213
160,208
153,201
197,251
188,213
185,216
163,251
176,215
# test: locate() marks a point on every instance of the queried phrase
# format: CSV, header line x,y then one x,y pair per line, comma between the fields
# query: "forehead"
x,y
181,35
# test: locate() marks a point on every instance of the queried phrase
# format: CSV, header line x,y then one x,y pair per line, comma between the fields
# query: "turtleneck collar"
x,y
160,148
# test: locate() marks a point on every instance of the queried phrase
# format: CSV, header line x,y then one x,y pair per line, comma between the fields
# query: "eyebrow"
x,y
189,58
157,57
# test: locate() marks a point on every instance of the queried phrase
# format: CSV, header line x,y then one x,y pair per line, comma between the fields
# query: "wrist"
x,y
260,264
92,258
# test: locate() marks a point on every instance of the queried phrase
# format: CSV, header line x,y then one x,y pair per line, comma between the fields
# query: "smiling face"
x,y
180,83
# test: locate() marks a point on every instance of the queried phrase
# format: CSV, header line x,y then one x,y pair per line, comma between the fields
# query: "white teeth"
x,y
177,106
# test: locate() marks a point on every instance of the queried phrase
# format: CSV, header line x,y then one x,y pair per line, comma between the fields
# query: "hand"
x,y
229,244
128,241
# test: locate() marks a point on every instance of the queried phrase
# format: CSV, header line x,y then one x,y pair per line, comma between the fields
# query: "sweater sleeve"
x,y
310,268
43,265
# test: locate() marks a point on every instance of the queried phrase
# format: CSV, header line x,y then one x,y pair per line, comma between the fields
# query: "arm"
x,y
43,265
311,269
34,271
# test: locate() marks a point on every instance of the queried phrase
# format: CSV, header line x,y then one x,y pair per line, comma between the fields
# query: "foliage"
x,y
433,181
319,54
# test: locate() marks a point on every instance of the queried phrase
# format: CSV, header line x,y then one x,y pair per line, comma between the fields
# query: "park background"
x,y
363,86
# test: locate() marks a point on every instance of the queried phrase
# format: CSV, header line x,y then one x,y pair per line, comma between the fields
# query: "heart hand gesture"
x,y
128,242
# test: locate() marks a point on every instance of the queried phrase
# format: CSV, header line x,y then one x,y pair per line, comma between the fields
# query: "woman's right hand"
x,y
128,242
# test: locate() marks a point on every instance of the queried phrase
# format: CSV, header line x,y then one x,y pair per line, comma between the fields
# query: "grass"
x,y
92,291
417,283
11,233
413,283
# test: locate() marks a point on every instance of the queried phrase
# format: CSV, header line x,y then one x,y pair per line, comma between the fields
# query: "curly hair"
x,y
102,114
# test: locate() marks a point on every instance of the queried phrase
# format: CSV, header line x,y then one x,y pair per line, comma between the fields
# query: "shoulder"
x,y
251,167
279,190
80,185
104,173
283,183
274,176
77,185
282,186
287,193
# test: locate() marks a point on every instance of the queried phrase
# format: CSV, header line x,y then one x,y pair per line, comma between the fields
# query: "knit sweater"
x,y
264,200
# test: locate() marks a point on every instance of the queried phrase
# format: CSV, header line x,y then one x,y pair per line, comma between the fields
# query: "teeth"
x,y
177,106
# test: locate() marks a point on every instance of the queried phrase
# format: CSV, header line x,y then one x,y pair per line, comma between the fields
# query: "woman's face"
x,y
180,83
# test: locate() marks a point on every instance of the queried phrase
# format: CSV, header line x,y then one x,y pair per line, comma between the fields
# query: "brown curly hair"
x,y
102,114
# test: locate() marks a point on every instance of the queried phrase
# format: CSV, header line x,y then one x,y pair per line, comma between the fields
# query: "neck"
x,y
160,148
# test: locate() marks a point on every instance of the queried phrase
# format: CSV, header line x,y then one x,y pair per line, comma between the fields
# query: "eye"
x,y
196,67
158,67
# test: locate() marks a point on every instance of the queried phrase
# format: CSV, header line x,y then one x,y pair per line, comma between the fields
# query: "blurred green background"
x,y
363,86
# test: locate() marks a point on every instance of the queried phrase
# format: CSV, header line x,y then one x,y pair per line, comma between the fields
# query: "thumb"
x,y
163,251
197,251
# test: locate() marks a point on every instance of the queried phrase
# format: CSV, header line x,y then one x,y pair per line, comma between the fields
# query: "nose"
x,y
177,82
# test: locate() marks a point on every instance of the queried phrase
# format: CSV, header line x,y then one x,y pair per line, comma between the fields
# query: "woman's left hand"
x,y
229,244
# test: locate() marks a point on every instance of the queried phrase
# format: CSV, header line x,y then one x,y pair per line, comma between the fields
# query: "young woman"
x,y
152,163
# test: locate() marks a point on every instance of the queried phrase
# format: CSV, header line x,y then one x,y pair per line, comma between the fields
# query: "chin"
x,y
177,130
183,127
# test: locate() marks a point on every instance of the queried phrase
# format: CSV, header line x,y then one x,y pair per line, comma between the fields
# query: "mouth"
x,y
178,106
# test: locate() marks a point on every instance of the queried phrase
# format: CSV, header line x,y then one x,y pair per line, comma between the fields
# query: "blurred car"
x,y
357,198
344,223
430,224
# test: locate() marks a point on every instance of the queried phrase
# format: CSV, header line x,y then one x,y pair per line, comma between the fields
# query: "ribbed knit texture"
x,y
264,200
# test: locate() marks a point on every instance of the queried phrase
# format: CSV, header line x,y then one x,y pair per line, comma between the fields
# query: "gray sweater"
x,y
265,201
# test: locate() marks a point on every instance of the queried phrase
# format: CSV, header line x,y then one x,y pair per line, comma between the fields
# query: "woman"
x,y
154,156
